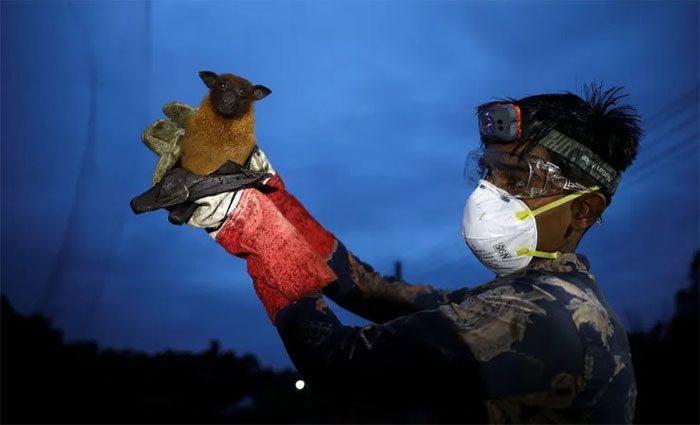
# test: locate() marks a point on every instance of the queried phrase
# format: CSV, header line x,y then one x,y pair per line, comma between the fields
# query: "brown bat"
x,y
223,129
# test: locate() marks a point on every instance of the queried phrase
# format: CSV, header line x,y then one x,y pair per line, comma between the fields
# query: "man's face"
x,y
554,230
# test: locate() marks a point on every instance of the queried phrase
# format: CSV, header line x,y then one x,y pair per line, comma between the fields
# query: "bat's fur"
x,y
223,129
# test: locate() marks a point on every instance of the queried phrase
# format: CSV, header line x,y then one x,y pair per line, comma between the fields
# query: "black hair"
x,y
610,130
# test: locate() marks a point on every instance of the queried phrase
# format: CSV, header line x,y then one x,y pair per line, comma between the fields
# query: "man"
x,y
537,344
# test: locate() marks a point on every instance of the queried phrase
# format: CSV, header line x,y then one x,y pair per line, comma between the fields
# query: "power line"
x,y
678,104
55,286
679,127
668,151
677,154
96,301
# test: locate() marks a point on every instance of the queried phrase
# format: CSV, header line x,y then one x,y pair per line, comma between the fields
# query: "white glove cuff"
x,y
214,210
259,162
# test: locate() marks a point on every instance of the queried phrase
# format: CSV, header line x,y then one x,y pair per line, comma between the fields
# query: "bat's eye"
x,y
222,85
240,91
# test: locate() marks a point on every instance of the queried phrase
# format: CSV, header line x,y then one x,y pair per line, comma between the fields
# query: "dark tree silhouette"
x,y
666,362
45,380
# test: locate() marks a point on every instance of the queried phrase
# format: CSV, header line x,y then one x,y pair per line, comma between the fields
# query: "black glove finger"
x,y
147,201
262,187
180,214
172,194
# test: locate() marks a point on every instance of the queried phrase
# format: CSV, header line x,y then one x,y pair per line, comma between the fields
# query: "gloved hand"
x,y
210,212
283,266
179,188
320,239
164,137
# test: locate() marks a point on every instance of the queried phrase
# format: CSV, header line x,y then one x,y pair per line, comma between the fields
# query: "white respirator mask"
x,y
500,229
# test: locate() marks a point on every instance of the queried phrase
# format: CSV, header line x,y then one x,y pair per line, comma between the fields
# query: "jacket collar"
x,y
568,262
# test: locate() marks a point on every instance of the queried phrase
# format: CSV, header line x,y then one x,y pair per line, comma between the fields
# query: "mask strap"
x,y
525,214
534,253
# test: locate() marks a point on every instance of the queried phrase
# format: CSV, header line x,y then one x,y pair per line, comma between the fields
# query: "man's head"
x,y
599,124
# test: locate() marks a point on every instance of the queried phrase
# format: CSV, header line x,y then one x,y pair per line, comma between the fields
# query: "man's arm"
x,y
368,294
395,371
511,346
359,288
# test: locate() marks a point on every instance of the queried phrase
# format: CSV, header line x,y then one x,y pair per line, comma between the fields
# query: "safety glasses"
x,y
523,177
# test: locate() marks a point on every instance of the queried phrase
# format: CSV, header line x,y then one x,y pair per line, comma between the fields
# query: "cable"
x,y
678,154
48,302
680,103
669,151
675,129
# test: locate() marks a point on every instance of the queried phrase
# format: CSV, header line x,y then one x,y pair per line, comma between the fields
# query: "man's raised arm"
x,y
359,288
378,298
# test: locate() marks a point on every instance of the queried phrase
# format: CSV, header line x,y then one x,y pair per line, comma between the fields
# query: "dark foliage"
x,y
666,362
45,380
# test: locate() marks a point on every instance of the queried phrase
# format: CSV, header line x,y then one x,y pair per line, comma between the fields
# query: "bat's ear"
x,y
260,92
208,77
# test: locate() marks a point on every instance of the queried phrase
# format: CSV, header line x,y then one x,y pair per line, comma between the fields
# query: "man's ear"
x,y
587,209
260,92
208,77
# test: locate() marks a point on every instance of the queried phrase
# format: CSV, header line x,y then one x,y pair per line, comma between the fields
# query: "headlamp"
x,y
500,123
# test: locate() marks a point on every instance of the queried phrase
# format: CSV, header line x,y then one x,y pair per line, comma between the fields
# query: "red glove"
x,y
321,240
284,267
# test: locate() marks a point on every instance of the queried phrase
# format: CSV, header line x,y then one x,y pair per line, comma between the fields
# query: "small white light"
x,y
299,384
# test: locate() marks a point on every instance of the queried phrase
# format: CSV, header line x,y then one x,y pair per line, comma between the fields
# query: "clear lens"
x,y
527,177
475,168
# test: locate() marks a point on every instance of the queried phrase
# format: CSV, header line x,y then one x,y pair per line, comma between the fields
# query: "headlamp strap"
x,y
584,158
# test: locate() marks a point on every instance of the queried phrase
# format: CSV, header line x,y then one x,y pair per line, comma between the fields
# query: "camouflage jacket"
x,y
538,346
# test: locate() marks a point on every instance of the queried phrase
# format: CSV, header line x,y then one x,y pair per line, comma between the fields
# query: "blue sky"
x,y
369,122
